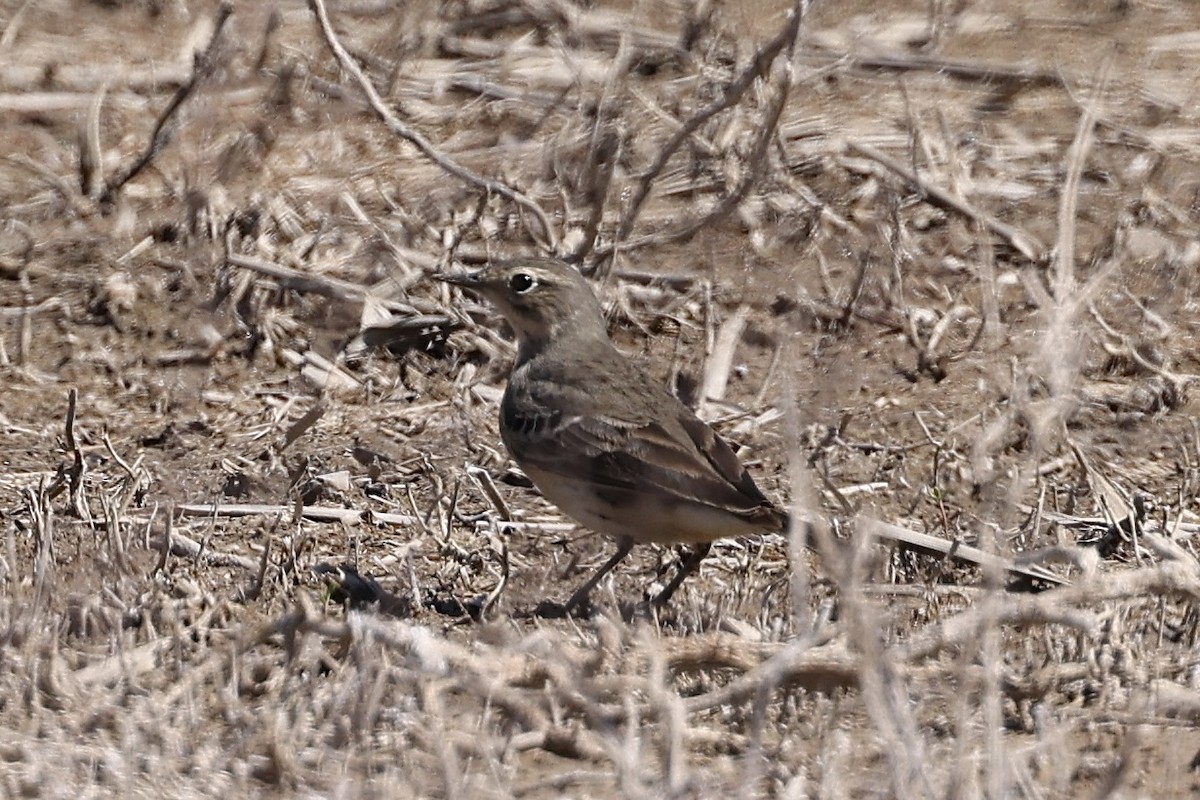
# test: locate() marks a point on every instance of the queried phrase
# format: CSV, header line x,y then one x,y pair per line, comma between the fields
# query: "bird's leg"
x,y
580,595
685,569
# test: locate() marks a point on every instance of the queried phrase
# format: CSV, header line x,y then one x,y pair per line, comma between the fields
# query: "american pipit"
x,y
599,437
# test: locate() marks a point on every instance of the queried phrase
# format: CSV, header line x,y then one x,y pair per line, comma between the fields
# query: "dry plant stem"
x,y
484,481
501,545
302,425
1024,243
78,466
54,181
135,479
14,25
954,549
670,712
603,160
1060,349
125,665
1064,264
801,532
989,293
881,682
720,361
784,41
204,65
313,513
982,71
989,652
306,282
1051,608
164,550
187,547
91,165
264,564
753,170
41,513
603,149
800,664
418,140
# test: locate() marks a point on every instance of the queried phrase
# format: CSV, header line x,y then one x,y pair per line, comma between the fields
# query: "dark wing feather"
x,y
685,460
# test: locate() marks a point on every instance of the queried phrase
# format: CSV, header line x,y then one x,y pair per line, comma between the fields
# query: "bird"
x,y
599,437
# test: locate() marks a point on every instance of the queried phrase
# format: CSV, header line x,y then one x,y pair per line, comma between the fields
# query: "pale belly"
x,y
643,518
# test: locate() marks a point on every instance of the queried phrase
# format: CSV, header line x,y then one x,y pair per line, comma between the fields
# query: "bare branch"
x,y
785,40
1023,242
163,130
418,140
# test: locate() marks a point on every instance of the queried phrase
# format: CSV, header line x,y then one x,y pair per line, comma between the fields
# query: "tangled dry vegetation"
x,y
931,266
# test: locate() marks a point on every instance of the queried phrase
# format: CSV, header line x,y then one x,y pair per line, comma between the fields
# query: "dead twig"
x,y
954,549
74,476
750,173
205,64
58,184
720,361
802,665
298,281
314,513
15,21
1024,243
484,481
417,139
989,73
1064,263
91,163
164,549
186,547
784,42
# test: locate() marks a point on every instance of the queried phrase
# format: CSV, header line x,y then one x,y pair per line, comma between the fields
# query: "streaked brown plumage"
x,y
600,438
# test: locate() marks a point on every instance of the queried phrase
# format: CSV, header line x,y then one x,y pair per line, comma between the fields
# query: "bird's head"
x,y
543,300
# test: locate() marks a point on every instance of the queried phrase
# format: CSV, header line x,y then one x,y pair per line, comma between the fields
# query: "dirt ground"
x,y
931,267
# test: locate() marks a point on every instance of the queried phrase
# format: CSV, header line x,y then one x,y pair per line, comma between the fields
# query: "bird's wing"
x,y
681,458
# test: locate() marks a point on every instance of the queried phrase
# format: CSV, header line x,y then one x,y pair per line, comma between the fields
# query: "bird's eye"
x,y
522,282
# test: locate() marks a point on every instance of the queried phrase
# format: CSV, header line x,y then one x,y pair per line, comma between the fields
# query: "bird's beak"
x,y
467,279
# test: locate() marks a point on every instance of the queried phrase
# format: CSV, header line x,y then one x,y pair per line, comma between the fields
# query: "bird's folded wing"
x,y
690,463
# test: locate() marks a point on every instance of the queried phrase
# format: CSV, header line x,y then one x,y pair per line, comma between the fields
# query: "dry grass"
x,y
933,268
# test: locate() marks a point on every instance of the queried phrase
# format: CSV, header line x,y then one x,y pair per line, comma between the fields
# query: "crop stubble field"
x,y
931,267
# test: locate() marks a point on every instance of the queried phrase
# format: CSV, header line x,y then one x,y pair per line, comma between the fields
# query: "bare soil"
x,y
929,265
